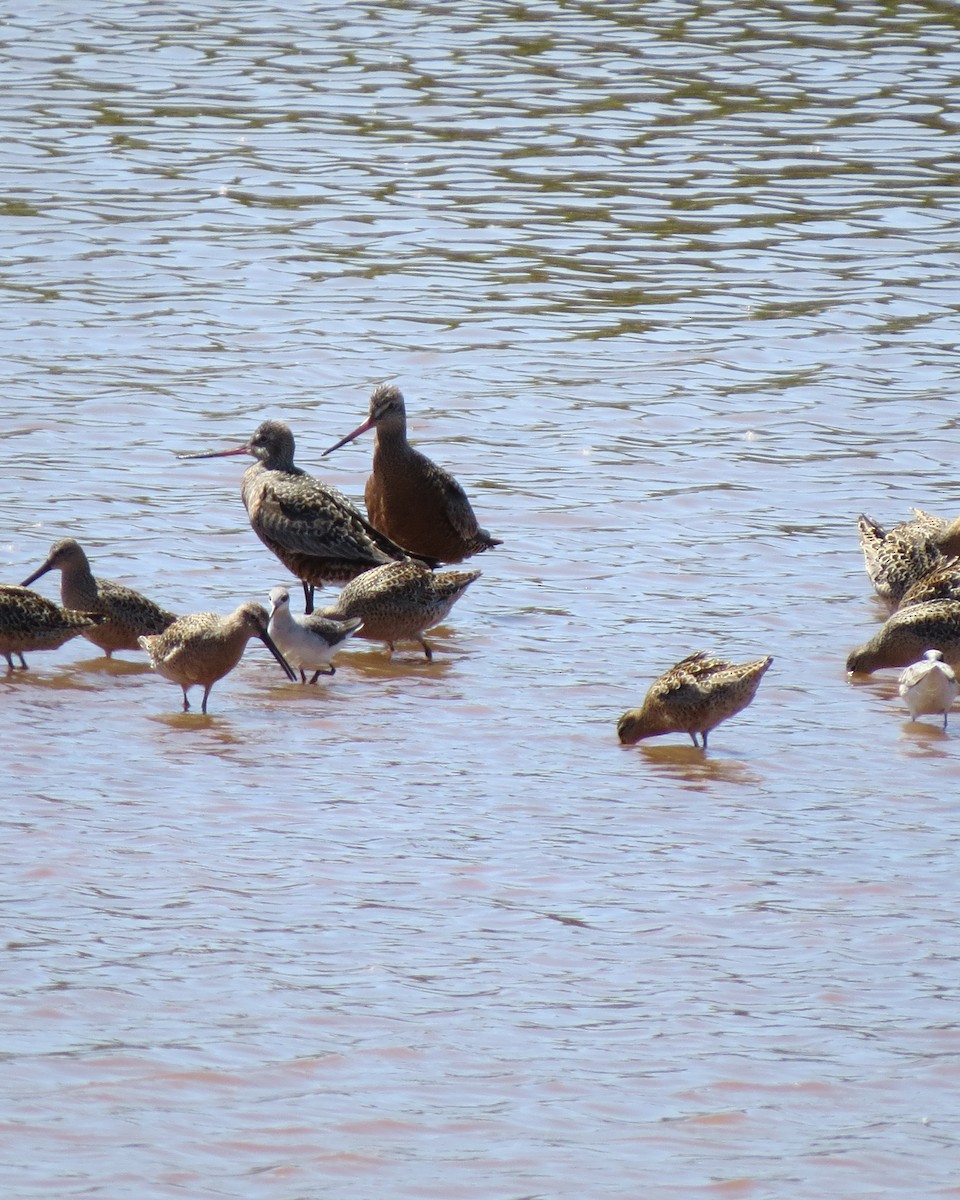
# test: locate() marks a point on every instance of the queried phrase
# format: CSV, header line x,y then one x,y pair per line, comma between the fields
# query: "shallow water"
x,y
671,289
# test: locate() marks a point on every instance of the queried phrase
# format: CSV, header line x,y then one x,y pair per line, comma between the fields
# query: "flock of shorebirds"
x,y
419,517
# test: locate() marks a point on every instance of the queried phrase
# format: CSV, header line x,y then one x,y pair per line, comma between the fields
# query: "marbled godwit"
x,y
409,498
693,697
314,530
29,621
400,601
904,637
929,687
309,641
201,648
897,558
126,614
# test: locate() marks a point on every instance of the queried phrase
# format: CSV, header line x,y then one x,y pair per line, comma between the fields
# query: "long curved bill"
x,y
272,647
368,424
245,449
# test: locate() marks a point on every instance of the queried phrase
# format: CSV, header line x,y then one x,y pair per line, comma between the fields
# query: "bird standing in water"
x,y
307,642
400,601
929,687
29,621
201,648
126,614
693,697
409,498
315,531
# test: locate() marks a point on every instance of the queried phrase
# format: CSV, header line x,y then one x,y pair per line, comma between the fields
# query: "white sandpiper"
x,y
929,686
309,641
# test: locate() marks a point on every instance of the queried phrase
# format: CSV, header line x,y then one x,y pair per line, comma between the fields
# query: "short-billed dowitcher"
x,y
314,530
201,648
904,637
29,621
400,601
896,558
929,686
942,583
693,697
126,614
307,642
409,498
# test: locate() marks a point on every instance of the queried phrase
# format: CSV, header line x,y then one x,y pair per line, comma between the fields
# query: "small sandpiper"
x,y
307,642
929,687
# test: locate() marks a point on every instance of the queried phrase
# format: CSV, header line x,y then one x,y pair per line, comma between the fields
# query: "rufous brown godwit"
x,y
409,498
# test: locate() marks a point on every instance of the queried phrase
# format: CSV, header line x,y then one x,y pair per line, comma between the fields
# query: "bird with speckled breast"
x,y
201,648
693,697
312,528
408,497
127,615
29,621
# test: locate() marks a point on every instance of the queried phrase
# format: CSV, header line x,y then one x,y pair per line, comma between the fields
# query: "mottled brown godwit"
x,y
201,648
126,614
693,697
409,498
29,621
903,638
942,583
314,530
897,558
929,687
400,601
307,643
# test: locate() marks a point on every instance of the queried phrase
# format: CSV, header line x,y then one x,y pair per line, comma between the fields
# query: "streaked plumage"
x,y
308,642
312,528
29,621
897,558
408,497
126,614
201,648
929,687
905,635
693,697
942,583
400,601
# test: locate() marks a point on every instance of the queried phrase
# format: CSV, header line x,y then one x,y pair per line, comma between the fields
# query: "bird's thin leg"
x,y
426,649
704,736
307,597
693,738
206,693
23,661
186,702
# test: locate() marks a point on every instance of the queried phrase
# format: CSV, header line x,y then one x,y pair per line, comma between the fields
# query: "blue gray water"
x,y
672,290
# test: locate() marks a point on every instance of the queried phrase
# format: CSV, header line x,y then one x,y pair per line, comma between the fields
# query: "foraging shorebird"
x,y
307,642
907,634
203,647
942,583
29,621
929,686
896,558
126,614
409,498
400,601
693,697
312,528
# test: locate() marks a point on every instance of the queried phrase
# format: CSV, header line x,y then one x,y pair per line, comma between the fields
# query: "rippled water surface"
x,y
672,289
